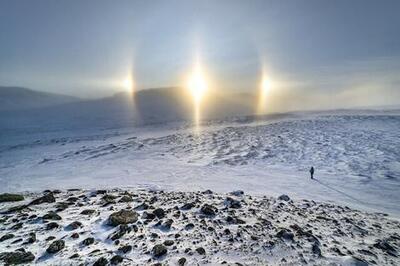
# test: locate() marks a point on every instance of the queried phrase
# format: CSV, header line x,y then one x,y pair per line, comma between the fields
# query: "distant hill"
x,y
17,98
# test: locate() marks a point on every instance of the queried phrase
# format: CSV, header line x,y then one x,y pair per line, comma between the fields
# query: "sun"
x,y
128,84
197,84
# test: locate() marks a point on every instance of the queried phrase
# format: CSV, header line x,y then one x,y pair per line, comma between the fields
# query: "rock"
x,y
207,192
17,226
237,193
182,261
47,198
88,241
116,259
32,238
208,210
285,234
167,224
125,198
148,216
159,250
108,199
284,197
232,203
87,212
123,217
56,246
125,249
316,250
75,235
385,246
74,256
187,206
143,206
52,225
122,230
7,197
101,262
168,242
160,213
17,257
6,237
189,226
74,225
201,250
51,216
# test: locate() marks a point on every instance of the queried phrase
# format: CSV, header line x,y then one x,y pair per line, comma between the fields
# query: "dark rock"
x,y
232,203
61,206
159,250
52,225
187,206
122,217
17,257
74,225
284,197
47,198
75,235
285,234
7,197
101,262
189,226
168,242
316,250
237,193
6,237
51,216
208,210
121,231
17,226
101,191
74,256
207,192
50,238
125,249
160,213
32,238
87,212
125,198
148,216
201,250
182,261
143,206
56,246
385,246
167,224
116,259
88,241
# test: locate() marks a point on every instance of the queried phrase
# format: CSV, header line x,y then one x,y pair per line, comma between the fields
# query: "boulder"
x,y
122,217
159,250
284,197
56,246
208,210
47,198
8,197
17,257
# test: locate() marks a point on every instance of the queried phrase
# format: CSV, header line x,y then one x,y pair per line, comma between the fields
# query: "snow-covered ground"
x,y
356,156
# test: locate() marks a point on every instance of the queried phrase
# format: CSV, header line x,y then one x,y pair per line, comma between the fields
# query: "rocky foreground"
x,y
137,227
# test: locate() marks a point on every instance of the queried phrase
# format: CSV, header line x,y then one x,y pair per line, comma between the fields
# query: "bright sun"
x,y
128,84
197,84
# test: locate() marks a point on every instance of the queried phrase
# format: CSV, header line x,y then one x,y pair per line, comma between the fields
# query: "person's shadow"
x,y
338,191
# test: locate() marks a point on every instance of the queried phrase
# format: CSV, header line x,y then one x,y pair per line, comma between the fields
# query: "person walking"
x,y
312,172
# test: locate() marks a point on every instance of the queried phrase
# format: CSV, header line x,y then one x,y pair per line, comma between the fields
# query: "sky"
x,y
349,50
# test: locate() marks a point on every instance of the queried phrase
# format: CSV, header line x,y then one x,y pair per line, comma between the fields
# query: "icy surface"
x,y
356,157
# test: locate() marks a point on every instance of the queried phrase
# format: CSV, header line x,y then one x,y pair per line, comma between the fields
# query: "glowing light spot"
x,y
264,94
128,84
197,84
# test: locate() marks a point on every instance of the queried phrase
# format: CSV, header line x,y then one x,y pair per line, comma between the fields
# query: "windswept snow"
x,y
356,157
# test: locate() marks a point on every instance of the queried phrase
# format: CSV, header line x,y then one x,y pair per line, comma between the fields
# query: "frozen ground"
x,y
356,156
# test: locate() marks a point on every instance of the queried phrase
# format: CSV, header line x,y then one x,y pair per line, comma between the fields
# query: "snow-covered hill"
x,y
356,156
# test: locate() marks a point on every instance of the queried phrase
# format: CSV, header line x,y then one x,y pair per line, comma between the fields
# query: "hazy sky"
x,y
87,48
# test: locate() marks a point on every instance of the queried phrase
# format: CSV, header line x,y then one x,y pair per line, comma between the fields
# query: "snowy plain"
x,y
356,155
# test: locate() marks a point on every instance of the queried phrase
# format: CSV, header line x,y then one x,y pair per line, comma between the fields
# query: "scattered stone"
x,y
8,197
122,217
51,216
160,213
232,203
237,193
6,237
88,241
87,212
187,206
75,235
284,197
385,246
168,242
285,234
125,198
56,246
74,225
52,225
201,250
125,249
316,250
17,257
32,238
116,259
182,261
47,198
159,250
101,262
208,210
